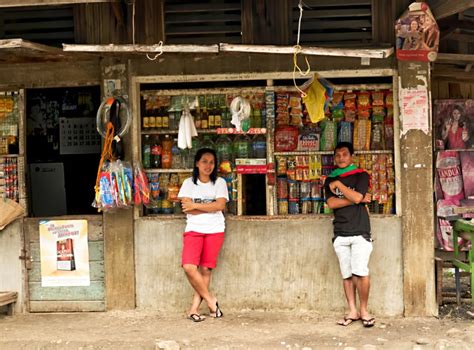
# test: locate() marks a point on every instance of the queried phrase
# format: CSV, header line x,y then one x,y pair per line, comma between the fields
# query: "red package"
x,y
286,139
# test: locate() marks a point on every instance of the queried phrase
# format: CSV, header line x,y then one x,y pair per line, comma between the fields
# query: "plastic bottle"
x,y
207,142
223,148
197,118
166,155
257,118
156,153
204,119
146,155
259,146
176,160
241,146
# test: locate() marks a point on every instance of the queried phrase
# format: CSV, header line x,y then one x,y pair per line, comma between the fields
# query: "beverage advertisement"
x,y
64,253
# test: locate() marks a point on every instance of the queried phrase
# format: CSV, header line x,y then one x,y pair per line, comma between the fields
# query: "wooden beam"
x,y
316,51
141,48
448,8
454,57
16,3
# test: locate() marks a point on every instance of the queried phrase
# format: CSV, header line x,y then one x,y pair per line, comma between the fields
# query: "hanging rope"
x,y
297,49
158,46
106,154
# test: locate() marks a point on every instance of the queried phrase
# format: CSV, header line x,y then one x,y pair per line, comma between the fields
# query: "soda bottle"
x,y
241,146
197,118
176,159
146,155
223,148
207,142
204,119
257,117
156,153
166,155
259,146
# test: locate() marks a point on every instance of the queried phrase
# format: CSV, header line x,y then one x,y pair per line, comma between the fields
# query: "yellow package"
x,y
314,99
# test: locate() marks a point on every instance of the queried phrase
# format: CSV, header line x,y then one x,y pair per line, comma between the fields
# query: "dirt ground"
x,y
236,330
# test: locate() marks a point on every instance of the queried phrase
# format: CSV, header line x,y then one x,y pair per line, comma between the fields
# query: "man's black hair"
x,y
347,145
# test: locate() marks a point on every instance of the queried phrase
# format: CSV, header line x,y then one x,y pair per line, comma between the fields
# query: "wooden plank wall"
x,y
67,299
52,25
99,24
445,88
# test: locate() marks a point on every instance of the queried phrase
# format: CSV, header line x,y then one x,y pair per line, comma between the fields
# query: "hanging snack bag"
x,y
141,186
350,110
362,130
337,106
377,139
281,165
344,133
363,105
329,133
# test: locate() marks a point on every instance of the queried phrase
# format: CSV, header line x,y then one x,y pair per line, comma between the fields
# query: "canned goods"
x,y
293,190
306,207
283,207
293,208
282,188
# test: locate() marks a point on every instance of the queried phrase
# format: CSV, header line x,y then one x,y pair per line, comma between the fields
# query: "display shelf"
x,y
10,155
168,170
297,153
220,131
167,131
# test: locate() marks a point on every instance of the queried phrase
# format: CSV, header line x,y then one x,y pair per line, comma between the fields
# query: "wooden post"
x,y
119,247
417,189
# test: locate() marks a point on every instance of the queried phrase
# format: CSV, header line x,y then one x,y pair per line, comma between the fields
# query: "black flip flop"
x,y
368,322
196,318
346,319
217,313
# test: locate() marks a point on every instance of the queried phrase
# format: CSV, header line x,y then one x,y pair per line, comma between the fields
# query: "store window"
x,y
279,165
63,149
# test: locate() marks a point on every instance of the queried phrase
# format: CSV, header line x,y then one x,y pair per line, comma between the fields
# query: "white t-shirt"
x,y
204,193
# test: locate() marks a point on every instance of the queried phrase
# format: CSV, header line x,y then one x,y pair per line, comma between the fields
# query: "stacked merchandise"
x,y
381,169
363,118
9,116
212,116
299,183
9,178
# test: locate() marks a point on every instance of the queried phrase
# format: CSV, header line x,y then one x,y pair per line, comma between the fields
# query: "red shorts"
x,y
201,249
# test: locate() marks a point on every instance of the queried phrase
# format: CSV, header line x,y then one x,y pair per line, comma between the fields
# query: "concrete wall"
x,y
11,266
278,264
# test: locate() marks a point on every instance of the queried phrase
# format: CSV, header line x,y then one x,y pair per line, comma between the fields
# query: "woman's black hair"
x,y
198,157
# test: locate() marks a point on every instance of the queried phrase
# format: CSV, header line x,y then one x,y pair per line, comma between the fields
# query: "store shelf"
x,y
175,132
297,153
168,171
220,131
10,155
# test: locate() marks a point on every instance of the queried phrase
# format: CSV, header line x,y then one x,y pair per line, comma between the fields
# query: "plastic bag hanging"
x,y
240,109
186,129
317,97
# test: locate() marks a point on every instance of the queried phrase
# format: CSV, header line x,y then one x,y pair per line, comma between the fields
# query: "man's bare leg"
x,y
350,292
362,283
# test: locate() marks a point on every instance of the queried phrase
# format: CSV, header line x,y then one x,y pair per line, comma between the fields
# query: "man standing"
x,y
346,190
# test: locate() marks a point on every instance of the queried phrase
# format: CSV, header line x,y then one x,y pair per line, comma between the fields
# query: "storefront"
x,y
277,253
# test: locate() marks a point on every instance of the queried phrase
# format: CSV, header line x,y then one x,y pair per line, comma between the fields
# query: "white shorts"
x,y
353,253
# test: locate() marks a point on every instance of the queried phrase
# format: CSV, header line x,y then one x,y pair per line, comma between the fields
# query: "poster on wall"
x,y
414,109
453,122
64,253
417,34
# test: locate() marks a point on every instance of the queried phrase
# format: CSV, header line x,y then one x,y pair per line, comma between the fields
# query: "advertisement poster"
x,y
414,108
454,124
417,34
64,253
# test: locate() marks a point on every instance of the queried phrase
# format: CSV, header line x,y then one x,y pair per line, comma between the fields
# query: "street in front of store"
x,y
242,329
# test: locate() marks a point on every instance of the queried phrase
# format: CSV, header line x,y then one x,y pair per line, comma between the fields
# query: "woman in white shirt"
x,y
203,198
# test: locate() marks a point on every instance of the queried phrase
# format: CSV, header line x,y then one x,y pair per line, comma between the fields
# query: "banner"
x,y
64,253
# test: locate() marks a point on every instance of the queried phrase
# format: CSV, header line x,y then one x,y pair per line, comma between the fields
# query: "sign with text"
x,y
64,253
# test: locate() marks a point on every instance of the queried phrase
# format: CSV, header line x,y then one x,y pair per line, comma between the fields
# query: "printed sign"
x,y
414,108
417,34
64,253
